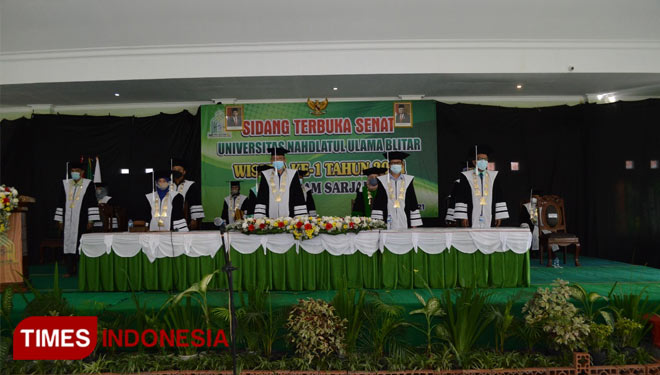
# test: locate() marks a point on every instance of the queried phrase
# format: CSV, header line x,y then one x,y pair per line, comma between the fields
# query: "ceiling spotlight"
x,y
116,94
519,86
335,89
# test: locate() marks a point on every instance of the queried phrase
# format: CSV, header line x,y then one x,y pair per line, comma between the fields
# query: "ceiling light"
x,y
125,171
611,98
600,96
116,94
519,86
335,89
148,170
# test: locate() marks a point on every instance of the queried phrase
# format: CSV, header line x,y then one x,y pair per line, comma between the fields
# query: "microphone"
x,y
221,224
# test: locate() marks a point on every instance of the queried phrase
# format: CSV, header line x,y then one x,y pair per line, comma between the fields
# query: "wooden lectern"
x,y
12,244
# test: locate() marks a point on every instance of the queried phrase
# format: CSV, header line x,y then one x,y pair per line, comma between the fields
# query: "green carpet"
x,y
596,275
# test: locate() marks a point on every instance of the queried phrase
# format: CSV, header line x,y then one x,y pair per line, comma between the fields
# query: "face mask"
x,y
163,185
100,193
372,181
176,174
482,164
301,182
395,168
75,175
278,164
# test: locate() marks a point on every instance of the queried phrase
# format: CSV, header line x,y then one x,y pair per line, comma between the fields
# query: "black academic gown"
x,y
192,199
411,209
89,212
250,203
464,201
225,209
309,200
296,204
177,219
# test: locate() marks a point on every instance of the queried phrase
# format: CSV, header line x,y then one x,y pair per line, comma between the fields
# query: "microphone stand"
x,y
233,322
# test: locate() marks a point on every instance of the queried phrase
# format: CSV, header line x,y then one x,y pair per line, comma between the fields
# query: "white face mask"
x,y
75,176
482,164
396,168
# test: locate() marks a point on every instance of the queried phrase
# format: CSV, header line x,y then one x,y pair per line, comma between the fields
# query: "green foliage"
x,y
559,319
315,330
598,336
6,307
627,332
466,320
384,331
352,311
587,300
431,309
50,303
197,291
633,306
503,322
260,325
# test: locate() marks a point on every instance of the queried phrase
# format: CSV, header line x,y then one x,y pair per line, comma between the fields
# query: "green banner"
x,y
335,141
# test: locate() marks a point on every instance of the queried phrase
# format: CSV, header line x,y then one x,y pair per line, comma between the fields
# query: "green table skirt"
x,y
304,271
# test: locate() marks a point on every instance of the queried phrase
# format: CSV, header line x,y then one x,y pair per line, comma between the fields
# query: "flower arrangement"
x,y
307,227
8,201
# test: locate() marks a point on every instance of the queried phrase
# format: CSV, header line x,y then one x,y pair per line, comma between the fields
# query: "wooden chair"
x,y
552,218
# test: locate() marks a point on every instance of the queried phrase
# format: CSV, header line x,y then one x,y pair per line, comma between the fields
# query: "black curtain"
x,y
576,152
35,151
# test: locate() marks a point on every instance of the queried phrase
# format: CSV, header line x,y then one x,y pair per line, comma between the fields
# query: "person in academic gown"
x,y
251,201
103,198
480,202
451,198
280,193
396,201
190,191
364,198
163,207
234,202
76,212
307,192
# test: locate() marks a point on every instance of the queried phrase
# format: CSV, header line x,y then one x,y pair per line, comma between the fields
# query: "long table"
x,y
386,259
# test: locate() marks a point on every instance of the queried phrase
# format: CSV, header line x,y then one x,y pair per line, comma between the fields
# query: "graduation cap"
x,y
263,167
302,173
76,164
396,155
373,170
180,162
162,173
235,183
101,185
277,151
481,149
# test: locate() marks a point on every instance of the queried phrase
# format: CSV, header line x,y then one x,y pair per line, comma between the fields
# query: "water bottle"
x,y
130,224
389,221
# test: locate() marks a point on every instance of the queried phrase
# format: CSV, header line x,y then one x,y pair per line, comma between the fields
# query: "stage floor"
x,y
596,275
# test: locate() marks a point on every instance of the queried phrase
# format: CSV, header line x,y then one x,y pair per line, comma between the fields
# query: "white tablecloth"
x,y
202,243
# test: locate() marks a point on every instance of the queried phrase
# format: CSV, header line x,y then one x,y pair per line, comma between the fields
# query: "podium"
x,y
12,244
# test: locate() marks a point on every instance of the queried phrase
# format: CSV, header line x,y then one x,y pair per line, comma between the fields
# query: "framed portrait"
x,y
234,117
403,115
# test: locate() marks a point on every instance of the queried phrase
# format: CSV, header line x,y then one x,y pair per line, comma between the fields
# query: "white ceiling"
x,y
354,86
81,52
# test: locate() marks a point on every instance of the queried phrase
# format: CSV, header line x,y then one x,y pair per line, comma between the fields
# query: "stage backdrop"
x,y
335,141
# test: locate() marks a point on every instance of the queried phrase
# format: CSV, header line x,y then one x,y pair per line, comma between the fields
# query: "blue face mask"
x,y
482,164
373,181
396,168
75,175
301,182
278,164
